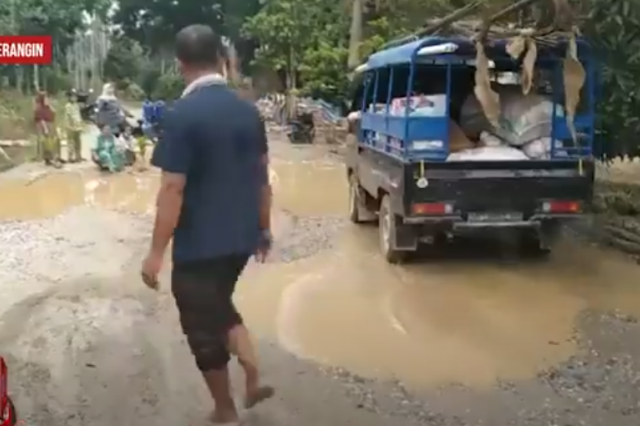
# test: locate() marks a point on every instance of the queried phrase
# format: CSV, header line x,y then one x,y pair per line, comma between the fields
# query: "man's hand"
x,y
151,268
266,241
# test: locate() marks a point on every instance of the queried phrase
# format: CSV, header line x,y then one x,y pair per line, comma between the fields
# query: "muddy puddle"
x,y
466,316
51,194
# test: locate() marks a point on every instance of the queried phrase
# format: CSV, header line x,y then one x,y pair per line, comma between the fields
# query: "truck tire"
x,y
358,212
387,230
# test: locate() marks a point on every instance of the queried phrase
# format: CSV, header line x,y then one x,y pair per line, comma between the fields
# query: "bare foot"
x,y
224,418
258,395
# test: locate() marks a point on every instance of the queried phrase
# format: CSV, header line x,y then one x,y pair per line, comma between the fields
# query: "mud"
x,y
469,335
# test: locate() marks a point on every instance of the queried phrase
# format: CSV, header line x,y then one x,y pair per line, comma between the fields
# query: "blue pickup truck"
x,y
399,163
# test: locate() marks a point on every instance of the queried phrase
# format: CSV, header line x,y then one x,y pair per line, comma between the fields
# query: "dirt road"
x,y
469,338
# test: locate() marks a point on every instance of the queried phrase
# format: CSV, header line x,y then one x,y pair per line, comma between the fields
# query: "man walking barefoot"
x,y
214,201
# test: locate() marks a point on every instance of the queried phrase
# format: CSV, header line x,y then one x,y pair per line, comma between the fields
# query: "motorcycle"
x,y
8,415
88,112
302,130
88,109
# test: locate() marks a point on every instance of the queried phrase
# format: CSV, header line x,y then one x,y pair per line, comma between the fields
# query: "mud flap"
x,y
405,238
365,214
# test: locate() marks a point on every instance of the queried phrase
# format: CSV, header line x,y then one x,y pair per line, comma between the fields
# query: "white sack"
x,y
540,149
487,139
489,153
523,118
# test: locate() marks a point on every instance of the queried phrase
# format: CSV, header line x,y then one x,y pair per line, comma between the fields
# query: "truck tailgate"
x,y
498,186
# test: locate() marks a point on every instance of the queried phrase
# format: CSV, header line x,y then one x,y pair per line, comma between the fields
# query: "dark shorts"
x,y
203,291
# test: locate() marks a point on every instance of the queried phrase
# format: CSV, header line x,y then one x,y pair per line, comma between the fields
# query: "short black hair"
x,y
198,45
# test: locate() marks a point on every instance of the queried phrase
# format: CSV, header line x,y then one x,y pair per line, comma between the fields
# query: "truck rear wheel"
x,y
387,232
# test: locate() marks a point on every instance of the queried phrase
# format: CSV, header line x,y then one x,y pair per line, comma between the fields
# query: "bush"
x,y
169,87
133,92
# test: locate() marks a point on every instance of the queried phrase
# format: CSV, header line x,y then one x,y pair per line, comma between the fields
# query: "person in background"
x,y
149,119
215,202
110,111
159,111
44,117
73,123
148,112
106,153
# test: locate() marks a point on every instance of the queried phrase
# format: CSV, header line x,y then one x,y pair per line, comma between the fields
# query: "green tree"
x,y
124,61
154,24
613,28
304,40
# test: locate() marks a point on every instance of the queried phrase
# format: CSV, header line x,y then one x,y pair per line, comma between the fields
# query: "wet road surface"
x,y
470,336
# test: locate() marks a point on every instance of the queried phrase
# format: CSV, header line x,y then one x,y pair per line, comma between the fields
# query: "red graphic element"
x,y
26,50
7,410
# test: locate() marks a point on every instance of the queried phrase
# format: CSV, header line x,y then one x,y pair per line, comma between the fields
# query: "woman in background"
x,y
110,111
44,117
106,153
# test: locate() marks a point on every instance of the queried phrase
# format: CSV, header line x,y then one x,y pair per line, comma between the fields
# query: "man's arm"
x,y
174,155
266,194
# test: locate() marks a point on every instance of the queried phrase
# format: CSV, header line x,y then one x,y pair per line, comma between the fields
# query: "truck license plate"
x,y
495,217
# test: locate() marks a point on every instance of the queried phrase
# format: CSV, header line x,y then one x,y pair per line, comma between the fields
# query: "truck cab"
x,y
416,167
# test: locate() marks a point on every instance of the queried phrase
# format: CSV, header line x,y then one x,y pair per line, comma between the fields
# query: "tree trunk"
x,y
355,34
291,84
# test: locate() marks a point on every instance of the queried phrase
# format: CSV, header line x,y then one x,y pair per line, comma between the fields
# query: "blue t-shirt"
x,y
219,142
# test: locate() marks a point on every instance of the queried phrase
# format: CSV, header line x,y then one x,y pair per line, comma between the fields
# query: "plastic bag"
x,y
487,139
421,105
489,153
472,119
540,149
523,118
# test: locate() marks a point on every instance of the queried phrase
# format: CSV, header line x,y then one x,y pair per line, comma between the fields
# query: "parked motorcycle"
x,y
88,112
302,129
88,108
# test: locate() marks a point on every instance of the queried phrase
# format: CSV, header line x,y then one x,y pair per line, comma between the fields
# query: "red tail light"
x,y
558,206
432,209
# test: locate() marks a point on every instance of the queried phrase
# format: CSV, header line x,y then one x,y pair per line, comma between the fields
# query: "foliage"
x,y
154,24
61,19
613,28
323,72
306,40
169,87
124,62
